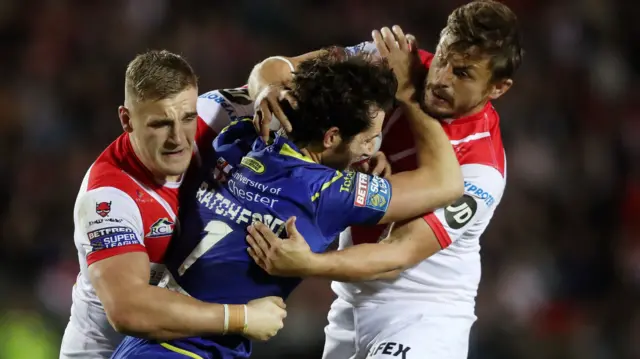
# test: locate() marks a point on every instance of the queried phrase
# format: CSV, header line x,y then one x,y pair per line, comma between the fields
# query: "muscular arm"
x,y
437,180
275,70
407,245
134,307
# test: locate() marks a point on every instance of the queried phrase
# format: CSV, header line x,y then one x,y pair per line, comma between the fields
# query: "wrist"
x,y
316,265
406,94
235,319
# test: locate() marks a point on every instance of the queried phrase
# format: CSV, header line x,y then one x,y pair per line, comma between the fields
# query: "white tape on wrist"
x,y
246,320
225,329
285,60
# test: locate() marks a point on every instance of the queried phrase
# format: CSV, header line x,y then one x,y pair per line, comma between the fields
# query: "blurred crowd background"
x,y
561,259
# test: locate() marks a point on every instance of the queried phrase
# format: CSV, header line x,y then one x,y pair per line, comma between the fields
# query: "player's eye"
x,y
461,73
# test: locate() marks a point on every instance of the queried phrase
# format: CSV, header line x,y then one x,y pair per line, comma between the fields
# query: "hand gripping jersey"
x,y
121,209
447,282
209,260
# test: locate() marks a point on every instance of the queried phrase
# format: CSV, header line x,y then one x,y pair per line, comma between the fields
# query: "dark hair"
x,y
337,91
491,28
155,75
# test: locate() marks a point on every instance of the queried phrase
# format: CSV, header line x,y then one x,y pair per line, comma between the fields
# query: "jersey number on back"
x,y
216,231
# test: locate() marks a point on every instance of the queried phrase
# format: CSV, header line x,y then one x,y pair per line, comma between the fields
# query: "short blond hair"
x,y
156,75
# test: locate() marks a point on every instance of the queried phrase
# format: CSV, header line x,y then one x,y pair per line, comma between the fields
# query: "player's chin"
x,y
175,164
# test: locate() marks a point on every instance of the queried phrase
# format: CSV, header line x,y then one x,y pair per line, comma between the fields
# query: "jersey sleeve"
x,y
107,223
350,198
216,110
235,141
483,189
367,47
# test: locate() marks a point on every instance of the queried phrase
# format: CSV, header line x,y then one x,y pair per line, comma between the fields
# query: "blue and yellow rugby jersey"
x,y
267,183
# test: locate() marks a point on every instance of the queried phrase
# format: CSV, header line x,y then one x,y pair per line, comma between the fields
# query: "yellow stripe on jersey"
x,y
236,121
326,185
288,151
181,351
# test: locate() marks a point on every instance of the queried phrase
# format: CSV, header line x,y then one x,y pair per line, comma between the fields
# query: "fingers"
x,y
279,302
284,121
380,43
266,234
379,168
257,242
264,119
292,231
387,171
413,43
389,38
400,38
259,261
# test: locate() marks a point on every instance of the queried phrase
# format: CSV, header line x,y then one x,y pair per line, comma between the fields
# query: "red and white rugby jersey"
x,y
448,280
120,209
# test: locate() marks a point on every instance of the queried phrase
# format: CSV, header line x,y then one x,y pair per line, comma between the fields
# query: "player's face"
x,y
361,146
163,132
457,84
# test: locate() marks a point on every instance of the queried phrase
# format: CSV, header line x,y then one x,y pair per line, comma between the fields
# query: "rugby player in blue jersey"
x,y
338,119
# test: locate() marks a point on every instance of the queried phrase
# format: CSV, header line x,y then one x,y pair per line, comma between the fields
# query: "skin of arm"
x,y
408,244
275,71
134,307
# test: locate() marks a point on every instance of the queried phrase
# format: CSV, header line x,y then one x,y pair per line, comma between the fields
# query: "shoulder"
x,y
219,107
479,142
483,182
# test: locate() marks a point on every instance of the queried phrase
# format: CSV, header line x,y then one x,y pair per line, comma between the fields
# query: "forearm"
x,y
160,314
433,149
367,261
271,71
276,70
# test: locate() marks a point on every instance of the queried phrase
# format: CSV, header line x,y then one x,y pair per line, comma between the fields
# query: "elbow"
x,y
122,319
128,320
454,190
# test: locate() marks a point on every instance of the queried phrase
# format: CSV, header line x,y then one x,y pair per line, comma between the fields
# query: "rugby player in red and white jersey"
x,y
413,292
125,214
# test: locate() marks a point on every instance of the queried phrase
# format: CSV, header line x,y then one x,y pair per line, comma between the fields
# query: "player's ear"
x,y
125,118
331,138
499,88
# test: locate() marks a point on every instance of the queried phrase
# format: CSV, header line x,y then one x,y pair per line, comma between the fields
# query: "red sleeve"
x,y
111,252
204,137
438,229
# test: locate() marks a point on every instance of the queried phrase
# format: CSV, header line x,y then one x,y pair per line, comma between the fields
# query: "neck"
x,y
477,108
315,157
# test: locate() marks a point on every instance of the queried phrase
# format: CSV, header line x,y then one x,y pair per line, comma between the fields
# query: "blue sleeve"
x,y
350,198
235,141
367,47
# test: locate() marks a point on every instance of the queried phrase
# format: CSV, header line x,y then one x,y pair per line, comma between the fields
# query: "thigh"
x,y
426,338
340,335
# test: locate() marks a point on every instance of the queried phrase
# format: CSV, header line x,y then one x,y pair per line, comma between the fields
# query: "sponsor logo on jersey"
x,y
237,95
252,164
111,237
390,348
102,220
161,228
347,182
460,212
362,185
478,192
372,192
103,208
224,103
